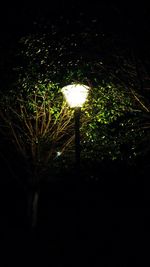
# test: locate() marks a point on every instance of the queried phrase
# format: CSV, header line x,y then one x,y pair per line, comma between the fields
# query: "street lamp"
x,y
75,95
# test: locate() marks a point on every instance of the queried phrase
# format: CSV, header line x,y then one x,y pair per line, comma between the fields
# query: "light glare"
x,y
75,94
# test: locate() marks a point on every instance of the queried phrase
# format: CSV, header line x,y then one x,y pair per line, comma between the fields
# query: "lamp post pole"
x,y
75,95
77,112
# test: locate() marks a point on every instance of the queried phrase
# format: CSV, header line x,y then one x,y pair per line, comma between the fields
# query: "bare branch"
x,y
139,101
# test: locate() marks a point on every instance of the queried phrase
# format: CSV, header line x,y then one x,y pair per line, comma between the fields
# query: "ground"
x,y
96,223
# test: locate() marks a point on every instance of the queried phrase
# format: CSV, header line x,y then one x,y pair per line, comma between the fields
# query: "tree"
x,y
38,122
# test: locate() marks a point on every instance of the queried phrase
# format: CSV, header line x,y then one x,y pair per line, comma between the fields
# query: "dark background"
x,y
15,18
103,222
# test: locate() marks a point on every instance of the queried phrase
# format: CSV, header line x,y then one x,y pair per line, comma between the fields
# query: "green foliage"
x,y
113,130
107,102
115,141
42,122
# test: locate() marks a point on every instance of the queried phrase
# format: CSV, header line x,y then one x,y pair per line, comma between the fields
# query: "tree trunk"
x,y
33,198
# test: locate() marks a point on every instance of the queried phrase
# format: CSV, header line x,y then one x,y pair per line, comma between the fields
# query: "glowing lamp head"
x,y
75,94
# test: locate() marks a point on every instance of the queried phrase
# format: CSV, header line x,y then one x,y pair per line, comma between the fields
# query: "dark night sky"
x,y
19,17
124,18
